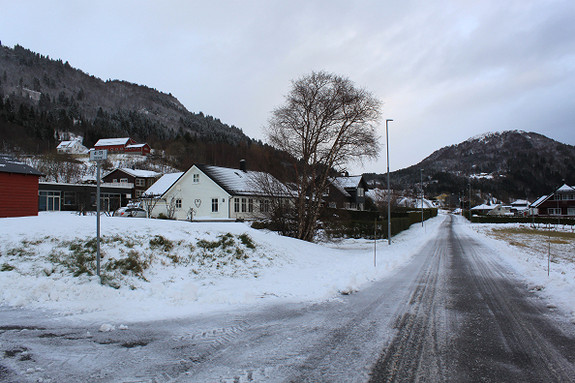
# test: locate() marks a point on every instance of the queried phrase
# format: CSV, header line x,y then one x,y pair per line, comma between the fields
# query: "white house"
x,y
71,147
206,192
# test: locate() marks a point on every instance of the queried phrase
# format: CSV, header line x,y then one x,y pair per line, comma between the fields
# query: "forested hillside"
x,y
42,100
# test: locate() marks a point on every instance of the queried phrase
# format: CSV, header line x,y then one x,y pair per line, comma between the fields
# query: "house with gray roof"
x,y
346,192
207,192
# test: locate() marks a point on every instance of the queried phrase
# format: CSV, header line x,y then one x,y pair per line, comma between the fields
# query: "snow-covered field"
x,y
156,269
167,269
545,259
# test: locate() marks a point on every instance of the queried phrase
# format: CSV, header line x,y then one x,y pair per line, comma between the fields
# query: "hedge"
x,y
361,224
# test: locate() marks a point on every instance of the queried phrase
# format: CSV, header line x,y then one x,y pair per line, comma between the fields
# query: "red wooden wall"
x,y
18,195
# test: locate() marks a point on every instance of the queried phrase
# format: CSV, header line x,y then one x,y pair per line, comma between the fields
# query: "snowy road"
x,y
452,314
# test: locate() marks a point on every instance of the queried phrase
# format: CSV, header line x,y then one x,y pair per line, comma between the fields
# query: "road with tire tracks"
x,y
453,314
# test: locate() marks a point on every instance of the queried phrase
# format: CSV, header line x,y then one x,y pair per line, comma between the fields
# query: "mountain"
x,y
43,100
507,165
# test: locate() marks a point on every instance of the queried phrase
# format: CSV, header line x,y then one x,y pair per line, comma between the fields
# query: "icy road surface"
x,y
452,314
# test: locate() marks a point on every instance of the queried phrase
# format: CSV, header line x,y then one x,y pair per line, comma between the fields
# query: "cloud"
x,y
446,70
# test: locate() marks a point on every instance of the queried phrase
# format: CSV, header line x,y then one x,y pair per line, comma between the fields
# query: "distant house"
x,y
206,192
500,210
18,188
122,145
140,179
482,209
346,192
559,203
71,147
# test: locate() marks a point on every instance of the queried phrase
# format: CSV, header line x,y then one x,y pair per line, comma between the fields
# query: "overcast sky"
x,y
445,70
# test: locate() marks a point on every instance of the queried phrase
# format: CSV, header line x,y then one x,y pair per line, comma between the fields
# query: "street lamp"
x,y
421,186
388,188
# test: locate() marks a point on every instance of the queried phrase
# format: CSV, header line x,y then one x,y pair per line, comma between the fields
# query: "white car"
x,y
130,212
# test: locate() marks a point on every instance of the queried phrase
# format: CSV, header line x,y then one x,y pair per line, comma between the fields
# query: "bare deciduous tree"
x,y
325,123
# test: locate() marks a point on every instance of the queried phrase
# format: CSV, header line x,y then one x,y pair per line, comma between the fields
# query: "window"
x,y
360,192
196,178
244,205
215,205
251,205
571,211
115,180
264,206
69,198
139,193
554,211
49,201
236,205
123,180
178,203
140,182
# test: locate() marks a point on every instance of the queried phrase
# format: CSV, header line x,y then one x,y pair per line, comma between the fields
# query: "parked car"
x,y
130,212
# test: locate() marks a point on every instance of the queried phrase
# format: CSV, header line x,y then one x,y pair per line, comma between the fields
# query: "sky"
x,y
444,70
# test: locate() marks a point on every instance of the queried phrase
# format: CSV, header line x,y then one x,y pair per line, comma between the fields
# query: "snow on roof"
x,y
520,202
238,182
9,164
136,146
347,182
162,185
112,141
65,144
539,201
484,207
566,188
140,173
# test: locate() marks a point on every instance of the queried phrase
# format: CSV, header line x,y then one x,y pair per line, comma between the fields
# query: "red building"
x,y
18,188
560,203
122,145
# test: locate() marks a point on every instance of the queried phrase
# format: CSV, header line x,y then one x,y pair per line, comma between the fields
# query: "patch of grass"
x,y
6,267
133,264
160,242
529,231
22,251
247,241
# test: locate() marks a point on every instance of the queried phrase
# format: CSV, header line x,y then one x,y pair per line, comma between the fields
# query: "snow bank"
x,y
277,269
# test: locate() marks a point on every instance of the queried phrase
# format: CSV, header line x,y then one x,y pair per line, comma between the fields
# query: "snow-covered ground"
x,y
186,268
157,269
545,259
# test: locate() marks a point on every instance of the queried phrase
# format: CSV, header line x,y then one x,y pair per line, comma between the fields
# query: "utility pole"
x,y
388,187
421,186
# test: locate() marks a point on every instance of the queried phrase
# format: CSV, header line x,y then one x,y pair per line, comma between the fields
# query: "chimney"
x,y
243,165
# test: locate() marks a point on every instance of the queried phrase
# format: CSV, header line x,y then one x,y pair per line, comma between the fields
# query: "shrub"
x,y
162,243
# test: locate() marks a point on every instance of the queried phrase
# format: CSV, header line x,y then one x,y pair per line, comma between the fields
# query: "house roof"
x,y
540,200
161,186
239,182
350,182
137,173
9,164
566,188
66,144
112,141
484,207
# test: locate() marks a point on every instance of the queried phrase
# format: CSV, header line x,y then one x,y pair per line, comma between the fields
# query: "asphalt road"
x,y
453,314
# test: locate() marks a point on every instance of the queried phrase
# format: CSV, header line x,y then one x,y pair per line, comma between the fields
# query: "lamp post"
x,y
388,188
421,186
